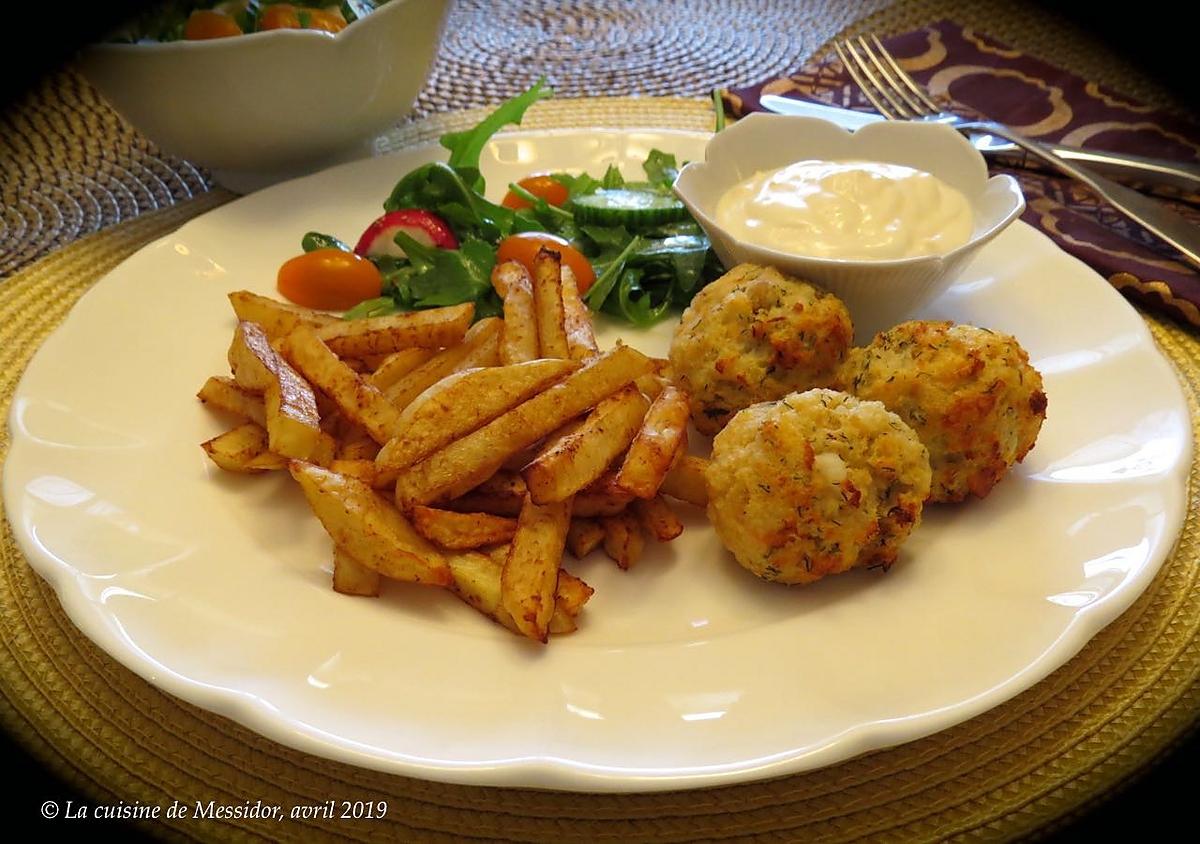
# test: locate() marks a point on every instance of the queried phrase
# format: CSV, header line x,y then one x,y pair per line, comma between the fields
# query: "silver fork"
x,y
897,96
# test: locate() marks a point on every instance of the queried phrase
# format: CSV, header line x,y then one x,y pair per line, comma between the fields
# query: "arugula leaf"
x,y
447,276
608,277
439,188
612,178
661,168
466,146
382,306
318,240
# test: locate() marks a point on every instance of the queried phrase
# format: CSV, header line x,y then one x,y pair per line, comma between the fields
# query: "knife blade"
x,y
1137,169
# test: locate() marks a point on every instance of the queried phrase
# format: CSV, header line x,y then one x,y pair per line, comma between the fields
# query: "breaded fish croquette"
x,y
756,335
969,393
815,484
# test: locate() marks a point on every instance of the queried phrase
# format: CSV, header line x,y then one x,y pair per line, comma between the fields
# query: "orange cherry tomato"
x,y
278,16
203,24
329,279
287,16
522,247
541,185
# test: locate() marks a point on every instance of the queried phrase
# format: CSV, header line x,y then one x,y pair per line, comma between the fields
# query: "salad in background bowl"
x,y
274,104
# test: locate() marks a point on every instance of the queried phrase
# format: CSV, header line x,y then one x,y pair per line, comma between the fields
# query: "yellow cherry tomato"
x,y
541,185
203,24
523,247
329,279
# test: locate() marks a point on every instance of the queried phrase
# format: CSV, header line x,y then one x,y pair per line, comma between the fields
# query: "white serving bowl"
x,y
270,105
879,293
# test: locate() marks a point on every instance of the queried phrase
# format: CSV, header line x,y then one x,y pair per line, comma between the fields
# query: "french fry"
x,y
577,320
602,498
243,449
398,364
468,462
368,527
224,394
462,403
350,577
292,422
500,495
572,462
477,582
519,342
357,399
278,319
548,304
571,593
461,531
356,444
530,575
657,518
623,540
480,347
429,329
584,536
686,481
363,470
663,435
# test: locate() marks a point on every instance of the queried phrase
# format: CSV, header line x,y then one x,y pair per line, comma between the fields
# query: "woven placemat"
x,y
1126,696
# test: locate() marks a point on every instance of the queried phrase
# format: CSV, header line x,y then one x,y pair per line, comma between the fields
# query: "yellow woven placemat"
x,y
1126,696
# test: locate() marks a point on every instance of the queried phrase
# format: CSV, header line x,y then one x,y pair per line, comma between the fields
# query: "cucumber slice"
x,y
628,207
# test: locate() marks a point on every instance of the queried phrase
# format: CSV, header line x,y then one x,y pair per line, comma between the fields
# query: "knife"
x,y
1160,172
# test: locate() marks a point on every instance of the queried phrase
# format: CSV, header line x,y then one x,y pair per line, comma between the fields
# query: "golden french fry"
x,y
477,582
530,575
657,518
428,329
480,347
278,319
548,304
520,340
357,399
663,436
572,462
363,470
602,498
398,364
584,536
500,495
686,481
292,422
224,394
571,593
577,320
461,531
468,462
462,403
350,577
367,526
356,444
623,540
243,449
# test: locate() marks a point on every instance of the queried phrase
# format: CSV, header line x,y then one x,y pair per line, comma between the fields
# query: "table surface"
x,y
109,174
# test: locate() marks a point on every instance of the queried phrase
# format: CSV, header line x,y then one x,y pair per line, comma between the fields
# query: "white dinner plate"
x,y
686,671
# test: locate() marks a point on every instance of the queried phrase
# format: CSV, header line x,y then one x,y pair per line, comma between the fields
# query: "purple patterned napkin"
x,y
987,78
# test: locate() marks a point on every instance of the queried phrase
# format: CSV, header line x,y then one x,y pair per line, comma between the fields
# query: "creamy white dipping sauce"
x,y
847,209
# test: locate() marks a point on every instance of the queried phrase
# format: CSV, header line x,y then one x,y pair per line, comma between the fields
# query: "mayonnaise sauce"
x,y
847,209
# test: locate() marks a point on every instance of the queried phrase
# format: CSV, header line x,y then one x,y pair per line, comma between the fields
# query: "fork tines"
x,y
894,93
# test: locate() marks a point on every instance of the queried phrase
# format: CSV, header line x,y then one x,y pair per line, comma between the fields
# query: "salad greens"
x,y
648,254
167,21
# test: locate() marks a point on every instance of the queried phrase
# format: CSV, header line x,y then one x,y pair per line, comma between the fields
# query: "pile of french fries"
x,y
505,441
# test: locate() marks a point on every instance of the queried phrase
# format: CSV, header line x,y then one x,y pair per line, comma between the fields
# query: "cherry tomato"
x,y
203,24
278,16
329,279
522,247
541,185
287,16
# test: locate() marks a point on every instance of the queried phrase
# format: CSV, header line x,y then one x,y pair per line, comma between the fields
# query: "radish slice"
x,y
423,227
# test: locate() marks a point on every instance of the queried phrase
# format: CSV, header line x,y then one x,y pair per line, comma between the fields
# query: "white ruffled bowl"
x,y
879,293
268,106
